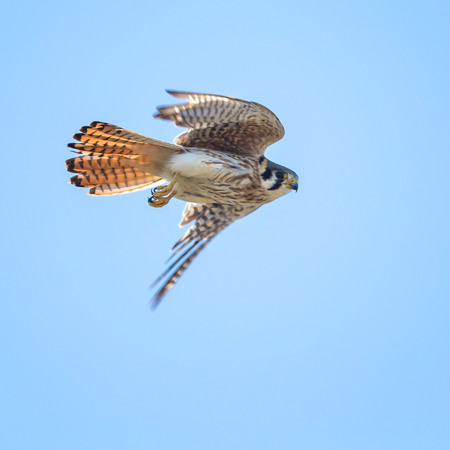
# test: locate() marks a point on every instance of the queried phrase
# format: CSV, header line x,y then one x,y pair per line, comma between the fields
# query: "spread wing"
x,y
223,123
210,219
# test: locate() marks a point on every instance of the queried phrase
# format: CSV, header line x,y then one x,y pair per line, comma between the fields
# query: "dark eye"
x,y
279,175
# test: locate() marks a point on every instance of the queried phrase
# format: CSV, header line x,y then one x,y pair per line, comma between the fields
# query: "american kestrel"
x,y
217,166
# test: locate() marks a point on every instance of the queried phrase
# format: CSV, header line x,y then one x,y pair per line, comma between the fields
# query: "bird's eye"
x,y
279,175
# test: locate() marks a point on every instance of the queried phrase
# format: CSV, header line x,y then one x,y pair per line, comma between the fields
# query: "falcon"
x,y
217,166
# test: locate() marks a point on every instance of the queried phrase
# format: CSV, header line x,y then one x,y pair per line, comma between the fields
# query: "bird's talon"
x,y
161,195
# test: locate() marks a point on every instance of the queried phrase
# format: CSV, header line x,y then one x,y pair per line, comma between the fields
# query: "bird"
x,y
217,166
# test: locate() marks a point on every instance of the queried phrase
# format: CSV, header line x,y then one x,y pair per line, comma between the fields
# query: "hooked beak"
x,y
294,185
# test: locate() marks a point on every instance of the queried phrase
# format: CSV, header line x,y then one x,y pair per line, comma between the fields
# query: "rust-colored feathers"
x,y
116,161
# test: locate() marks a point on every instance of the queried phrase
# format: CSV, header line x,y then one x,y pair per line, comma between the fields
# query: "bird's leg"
x,y
161,195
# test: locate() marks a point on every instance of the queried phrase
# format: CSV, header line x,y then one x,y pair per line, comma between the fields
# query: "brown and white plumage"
x,y
210,219
223,123
217,166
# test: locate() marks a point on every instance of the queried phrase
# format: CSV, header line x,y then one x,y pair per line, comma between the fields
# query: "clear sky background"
x,y
321,321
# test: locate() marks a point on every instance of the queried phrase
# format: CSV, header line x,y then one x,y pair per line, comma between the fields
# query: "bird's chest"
x,y
205,178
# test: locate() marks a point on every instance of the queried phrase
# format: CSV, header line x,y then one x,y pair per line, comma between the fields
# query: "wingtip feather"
x,y
78,136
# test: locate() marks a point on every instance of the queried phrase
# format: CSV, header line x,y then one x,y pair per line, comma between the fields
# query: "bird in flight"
x,y
217,166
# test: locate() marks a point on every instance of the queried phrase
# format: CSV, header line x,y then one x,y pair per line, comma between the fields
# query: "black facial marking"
x,y
261,159
276,185
266,174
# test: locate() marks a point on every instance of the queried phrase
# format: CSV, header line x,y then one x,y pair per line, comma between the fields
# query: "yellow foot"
x,y
161,195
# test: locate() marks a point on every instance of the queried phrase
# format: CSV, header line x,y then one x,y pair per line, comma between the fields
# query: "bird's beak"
x,y
293,185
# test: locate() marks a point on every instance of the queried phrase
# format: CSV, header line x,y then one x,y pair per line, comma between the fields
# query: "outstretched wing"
x,y
223,123
210,219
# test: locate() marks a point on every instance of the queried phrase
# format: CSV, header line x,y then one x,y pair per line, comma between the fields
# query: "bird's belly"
x,y
199,191
206,177
194,198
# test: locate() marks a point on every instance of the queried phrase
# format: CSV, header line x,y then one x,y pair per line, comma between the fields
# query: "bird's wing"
x,y
223,123
210,220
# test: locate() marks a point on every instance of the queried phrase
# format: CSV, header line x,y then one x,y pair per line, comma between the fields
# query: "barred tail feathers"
x,y
116,161
108,175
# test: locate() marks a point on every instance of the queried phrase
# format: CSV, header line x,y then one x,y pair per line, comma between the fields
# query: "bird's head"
x,y
276,179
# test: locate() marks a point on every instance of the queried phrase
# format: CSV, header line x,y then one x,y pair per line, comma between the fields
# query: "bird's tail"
x,y
116,161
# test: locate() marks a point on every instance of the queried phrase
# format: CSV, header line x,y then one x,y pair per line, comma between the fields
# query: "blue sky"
x,y
318,322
